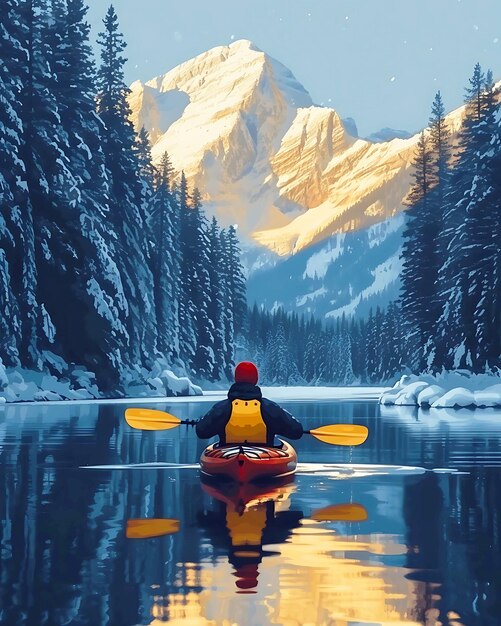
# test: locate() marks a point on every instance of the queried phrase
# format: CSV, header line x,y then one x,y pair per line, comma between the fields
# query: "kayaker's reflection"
x,y
243,518
246,518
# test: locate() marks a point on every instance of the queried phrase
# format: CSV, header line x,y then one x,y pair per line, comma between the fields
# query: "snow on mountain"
x,y
246,132
347,273
295,178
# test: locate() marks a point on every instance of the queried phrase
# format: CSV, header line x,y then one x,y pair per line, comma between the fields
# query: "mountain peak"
x,y
244,44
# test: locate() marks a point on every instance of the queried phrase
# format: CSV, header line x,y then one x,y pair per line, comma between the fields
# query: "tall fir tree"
x,y
215,310
463,235
164,228
18,336
126,192
187,324
91,325
418,257
204,357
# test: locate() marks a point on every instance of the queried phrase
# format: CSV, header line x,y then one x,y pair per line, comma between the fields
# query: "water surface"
x,y
402,530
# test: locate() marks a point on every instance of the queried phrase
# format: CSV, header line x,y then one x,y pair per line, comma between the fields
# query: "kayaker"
x,y
245,416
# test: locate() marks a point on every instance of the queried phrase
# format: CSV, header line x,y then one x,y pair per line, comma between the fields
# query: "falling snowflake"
x,y
475,26
232,37
393,79
495,40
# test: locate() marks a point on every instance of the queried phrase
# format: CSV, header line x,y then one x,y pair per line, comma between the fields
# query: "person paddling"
x,y
245,416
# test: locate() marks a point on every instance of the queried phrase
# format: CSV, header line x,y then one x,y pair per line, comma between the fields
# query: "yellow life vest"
x,y
246,423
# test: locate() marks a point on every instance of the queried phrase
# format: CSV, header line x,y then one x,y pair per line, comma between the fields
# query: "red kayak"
x,y
247,462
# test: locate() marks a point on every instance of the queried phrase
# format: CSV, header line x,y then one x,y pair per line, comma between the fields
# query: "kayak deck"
x,y
247,462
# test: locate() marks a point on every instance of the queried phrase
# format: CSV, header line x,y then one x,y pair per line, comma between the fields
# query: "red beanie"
x,y
246,372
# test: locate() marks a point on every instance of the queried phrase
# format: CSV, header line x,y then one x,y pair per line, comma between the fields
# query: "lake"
x,y
403,530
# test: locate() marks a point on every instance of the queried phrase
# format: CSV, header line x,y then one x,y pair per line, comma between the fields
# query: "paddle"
x,y
340,434
341,513
151,419
158,527
146,528
334,434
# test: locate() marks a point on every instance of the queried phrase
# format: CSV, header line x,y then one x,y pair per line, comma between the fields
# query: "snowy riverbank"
x,y
77,384
451,389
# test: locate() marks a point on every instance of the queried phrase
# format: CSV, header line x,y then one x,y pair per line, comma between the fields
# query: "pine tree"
x,y
418,257
187,324
228,295
126,193
204,358
237,281
91,325
215,309
467,234
18,337
164,228
47,174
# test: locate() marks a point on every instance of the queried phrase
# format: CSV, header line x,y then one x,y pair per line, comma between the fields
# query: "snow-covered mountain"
x,y
247,133
318,208
348,273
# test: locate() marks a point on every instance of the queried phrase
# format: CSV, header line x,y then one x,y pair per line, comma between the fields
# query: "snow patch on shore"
x,y
455,389
76,383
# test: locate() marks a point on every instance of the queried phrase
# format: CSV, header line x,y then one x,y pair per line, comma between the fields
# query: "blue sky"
x,y
378,61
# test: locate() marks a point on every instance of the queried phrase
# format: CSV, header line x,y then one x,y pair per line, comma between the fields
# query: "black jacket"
x,y
277,420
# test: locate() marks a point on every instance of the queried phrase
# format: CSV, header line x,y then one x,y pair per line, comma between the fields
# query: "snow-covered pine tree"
x,y
187,322
391,342
164,228
345,355
147,170
18,337
91,324
236,278
204,358
215,309
466,216
418,252
440,171
228,294
43,152
126,193
484,250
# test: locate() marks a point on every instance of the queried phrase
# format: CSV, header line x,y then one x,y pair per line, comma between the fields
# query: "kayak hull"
x,y
247,462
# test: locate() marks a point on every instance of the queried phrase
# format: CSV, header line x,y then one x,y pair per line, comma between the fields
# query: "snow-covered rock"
x,y
19,385
456,389
179,385
458,396
488,397
429,395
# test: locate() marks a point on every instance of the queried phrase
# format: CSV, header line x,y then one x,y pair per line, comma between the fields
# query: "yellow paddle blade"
x,y
341,434
341,513
146,528
150,419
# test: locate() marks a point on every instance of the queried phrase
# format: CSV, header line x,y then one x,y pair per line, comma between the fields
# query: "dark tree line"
x,y
104,261
298,350
451,288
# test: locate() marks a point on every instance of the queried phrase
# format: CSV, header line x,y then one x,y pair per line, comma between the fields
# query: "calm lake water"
x,y
405,529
